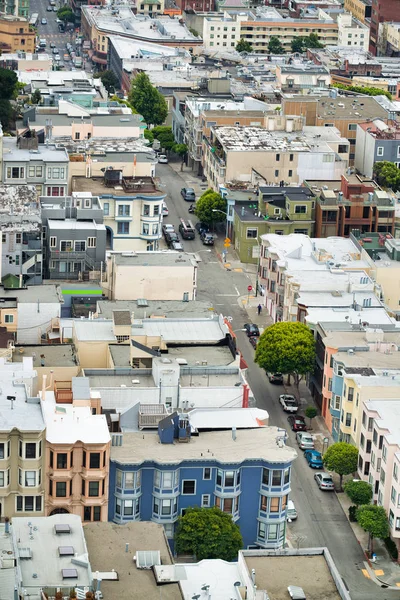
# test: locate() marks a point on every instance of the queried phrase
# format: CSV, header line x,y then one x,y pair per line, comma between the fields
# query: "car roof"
x,y
313,452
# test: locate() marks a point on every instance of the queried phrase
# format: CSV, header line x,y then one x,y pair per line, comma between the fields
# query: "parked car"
x,y
207,239
324,482
291,512
253,341
202,227
177,245
52,45
275,378
44,21
163,159
167,228
55,9
57,57
251,330
288,403
297,423
188,194
304,440
164,210
49,9
314,459
172,237
55,50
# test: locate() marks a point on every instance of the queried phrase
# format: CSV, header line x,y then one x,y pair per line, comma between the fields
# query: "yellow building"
x,y
360,9
16,34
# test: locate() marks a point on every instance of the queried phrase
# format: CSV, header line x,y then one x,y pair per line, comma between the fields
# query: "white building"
x,y
222,31
351,32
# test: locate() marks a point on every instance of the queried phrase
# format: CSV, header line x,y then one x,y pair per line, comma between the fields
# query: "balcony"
x,y
63,392
72,255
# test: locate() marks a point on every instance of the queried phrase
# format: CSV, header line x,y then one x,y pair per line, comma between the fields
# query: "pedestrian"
x,y
259,309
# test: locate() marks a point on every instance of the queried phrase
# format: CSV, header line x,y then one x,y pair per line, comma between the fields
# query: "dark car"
x,y
275,378
251,330
297,423
188,194
171,238
202,227
207,239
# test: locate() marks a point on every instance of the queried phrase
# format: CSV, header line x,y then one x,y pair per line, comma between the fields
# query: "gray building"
x,y
74,236
377,140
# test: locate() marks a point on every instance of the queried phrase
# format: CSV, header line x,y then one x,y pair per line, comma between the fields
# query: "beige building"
x,y
360,9
16,34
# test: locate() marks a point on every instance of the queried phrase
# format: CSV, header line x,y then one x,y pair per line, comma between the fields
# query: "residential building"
x,y
22,442
377,140
241,153
21,61
44,166
74,236
198,5
21,231
360,9
17,8
247,475
352,32
392,39
220,31
76,6
298,77
56,554
385,10
351,204
344,62
99,23
385,84
77,451
16,34
378,461
132,206
155,276
302,8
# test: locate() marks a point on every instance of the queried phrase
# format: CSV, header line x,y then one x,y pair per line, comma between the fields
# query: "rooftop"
x,y
164,258
7,575
381,130
370,316
226,418
154,308
372,359
197,105
44,567
141,187
46,293
23,413
250,444
337,298
361,339
73,225
44,153
128,48
388,418
350,108
107,552
56,355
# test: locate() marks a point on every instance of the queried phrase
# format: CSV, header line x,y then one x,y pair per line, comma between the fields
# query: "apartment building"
x,y
352,32
22,442
245,153
246,475
383,11
360,9
16,34
377,140
220,31
298,77
17,8
77,452
378,460
21,61
392,38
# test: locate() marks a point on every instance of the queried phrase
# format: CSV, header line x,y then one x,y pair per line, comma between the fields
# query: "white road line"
x,y
237,291
234,295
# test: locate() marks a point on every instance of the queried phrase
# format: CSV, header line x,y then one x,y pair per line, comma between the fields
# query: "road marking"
x,y
379,572
234,295
213,262
238,270
219,305
365,573
237,291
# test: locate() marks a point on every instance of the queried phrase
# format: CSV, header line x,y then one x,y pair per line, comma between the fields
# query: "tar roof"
x,y
147,259
46,293
155,308
356,108
121,317
56,355
106,546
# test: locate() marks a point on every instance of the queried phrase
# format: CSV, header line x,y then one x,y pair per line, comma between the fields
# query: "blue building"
x,y
157,476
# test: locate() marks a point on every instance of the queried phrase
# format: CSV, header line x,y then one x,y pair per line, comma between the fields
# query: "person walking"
x,y
259,309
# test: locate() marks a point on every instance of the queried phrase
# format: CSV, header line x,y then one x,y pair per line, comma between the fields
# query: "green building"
x,y
280,210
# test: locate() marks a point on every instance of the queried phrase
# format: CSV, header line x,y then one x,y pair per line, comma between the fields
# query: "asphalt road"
x,y
321,520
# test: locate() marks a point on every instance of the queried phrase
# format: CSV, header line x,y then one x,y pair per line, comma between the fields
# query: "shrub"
x,y
352,514
392,548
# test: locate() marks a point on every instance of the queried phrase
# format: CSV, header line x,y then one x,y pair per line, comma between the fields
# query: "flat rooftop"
x,y
23,414
194,355
50,153
352,339
389,417
56,355
371,316
355,107
97,187
165,258
143,308
106,547
47,294
254,444
379,360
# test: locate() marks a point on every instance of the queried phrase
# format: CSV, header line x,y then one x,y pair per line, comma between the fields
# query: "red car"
x,y
297,423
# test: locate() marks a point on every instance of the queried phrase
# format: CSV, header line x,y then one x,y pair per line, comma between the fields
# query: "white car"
x,y
57,57
164,210
288,403
304,440
163,159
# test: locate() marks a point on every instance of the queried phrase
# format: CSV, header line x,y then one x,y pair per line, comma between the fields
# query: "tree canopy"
x,y
65,14
341,458
244,46
368,91
301,43
275,46
109,79
359,492
372,518
208,533
387,175
147,100
207,203
311,412
8,84
165,136
288,348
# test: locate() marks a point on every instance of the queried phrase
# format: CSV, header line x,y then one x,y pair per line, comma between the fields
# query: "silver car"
x,y
324,482
304,440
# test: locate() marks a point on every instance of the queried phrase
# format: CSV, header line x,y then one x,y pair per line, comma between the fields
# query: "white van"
x,y
291,511
42,43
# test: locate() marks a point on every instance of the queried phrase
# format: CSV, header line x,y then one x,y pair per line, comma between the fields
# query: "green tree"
x,y
209,202
6,114
147,100
342,459
373,519
275,46
301,43
359,89
311,412
312,41
359,492
181,150
194,32
8,84
148,136
36,97
109,80
165,136
244,46
297,44
65,14
208,533
287,347
387,175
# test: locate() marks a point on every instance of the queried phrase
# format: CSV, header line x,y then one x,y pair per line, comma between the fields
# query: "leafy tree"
x,y
301,43
287,348
311,412
8,84
275,46
297,44
149,136
313,41
244,46
387,175
207,203
147,100
359,492
194,32
6,113
165,136
359,89
36,97
373,519
208,533
342,459
181,150
109,80
65,14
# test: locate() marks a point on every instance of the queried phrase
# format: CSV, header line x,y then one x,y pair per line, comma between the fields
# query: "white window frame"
x,y
79,242
67,242
9,319
206,500
251,237
380,150
91,242
5,477
186,493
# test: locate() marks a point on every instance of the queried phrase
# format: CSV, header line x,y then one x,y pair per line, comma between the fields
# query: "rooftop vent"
x,y
66,551
62,528
147,559
69,573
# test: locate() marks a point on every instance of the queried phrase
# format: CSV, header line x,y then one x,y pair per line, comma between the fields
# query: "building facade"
x,y
377,141
16,34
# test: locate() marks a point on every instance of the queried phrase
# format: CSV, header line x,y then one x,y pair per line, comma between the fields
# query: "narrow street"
x,y
321,520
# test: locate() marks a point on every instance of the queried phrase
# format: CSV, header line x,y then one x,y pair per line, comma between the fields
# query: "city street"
x,y
321,520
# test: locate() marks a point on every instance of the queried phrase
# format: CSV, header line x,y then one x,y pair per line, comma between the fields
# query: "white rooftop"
x,y
336,298
190,331
389,417
17,380
128,48
197,105
226,418
218,574
372,316
68,424
72,224
54,77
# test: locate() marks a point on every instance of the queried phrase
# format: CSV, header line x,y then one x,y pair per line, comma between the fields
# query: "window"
x,y
146,210
300,209
379,151
55,191
15,172
290,173
8,318
348,419
61,489
80,246
274,504
352,126
29,450
265,476
277,157
123,228
94,460
66,245
91,242
189,486
251,233
106,209
291,157
4,450
370,423
384,453
53,242
3,238
286,476
206,500
207,473
4,478
395,471
124,210
28,503
276,172
94,488
261,531
92,513
393,495
77,135
276,477
62,460
145,229
350,394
